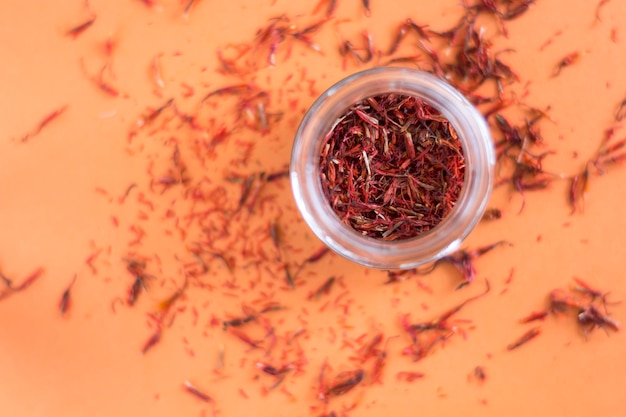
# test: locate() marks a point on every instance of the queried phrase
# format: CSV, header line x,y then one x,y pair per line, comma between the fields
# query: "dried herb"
x,y
409,376
323,289
152,340
534,316
577,190
344,382
583,302
44,122
620,113
463,260
11,289
492,214
525,338
192,389
78,30
590,317
137,269
392,167
479,374
566,61
64,304
272,370
426,335
599,6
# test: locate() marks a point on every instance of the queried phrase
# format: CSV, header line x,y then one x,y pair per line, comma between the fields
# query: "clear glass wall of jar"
x,y
448,235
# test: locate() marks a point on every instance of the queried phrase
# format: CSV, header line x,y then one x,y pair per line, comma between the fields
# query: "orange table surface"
x,y
64,208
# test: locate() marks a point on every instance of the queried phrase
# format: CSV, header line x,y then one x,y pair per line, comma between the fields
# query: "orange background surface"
x,y
89,362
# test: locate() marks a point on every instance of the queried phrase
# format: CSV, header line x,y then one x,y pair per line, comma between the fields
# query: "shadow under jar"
x,y
392,168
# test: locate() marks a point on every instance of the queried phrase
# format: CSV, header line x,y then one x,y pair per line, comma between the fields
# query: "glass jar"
x,y
444,238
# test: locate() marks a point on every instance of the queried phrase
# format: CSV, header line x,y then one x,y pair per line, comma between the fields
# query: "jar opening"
x,y
392,166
